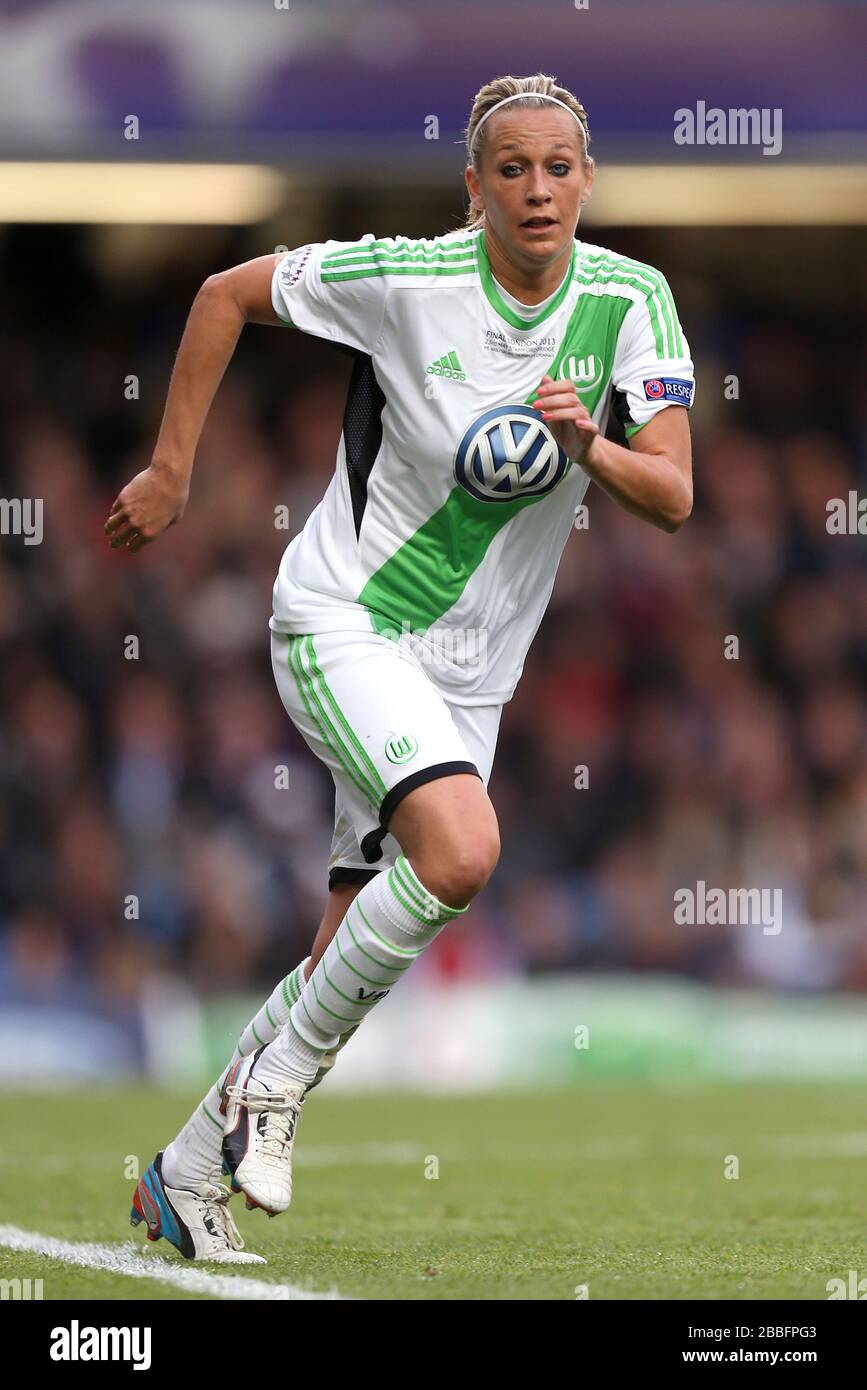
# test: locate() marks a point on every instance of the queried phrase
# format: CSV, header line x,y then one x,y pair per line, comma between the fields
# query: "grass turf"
x,y
620,1188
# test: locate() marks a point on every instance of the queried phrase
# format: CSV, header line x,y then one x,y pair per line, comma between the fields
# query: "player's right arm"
x,y
155,498
336,290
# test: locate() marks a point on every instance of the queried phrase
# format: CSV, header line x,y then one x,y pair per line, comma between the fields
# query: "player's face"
x,y
531,181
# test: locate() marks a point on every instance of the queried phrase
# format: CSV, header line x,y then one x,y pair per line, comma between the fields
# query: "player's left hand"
x,y
569,420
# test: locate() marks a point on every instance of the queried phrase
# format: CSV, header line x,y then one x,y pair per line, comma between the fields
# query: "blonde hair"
x,y
533,89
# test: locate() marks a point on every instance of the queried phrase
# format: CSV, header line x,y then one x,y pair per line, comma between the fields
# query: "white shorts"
x,y
369,710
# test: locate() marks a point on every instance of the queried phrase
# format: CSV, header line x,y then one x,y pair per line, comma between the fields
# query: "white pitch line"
x,y
133,1262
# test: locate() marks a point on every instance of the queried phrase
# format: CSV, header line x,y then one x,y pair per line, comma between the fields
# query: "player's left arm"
x,y
652,478
653,380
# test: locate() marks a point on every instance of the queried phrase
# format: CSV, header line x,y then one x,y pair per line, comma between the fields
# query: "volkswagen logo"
x,y
509,452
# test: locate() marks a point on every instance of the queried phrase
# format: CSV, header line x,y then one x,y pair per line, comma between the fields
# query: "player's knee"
x,y
460,875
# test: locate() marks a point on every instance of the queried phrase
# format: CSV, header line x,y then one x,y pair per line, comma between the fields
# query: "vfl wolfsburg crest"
x,y
509,452
400,748
586,372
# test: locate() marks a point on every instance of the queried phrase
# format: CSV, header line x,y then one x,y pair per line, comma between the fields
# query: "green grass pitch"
x,y
620,1188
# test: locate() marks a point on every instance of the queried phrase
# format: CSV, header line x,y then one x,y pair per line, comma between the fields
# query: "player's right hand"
x,y
152,501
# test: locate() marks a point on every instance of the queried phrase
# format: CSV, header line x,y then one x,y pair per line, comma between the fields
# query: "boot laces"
x,y
276,1131
217,1219
278,1116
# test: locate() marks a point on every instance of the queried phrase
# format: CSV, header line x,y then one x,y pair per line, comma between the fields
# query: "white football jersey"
x,y
451,502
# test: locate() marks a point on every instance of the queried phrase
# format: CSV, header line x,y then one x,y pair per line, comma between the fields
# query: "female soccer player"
x,y
487,361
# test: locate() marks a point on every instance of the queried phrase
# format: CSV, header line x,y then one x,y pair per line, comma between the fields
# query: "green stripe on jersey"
x,y
360,254
603,268
593,328
405,247
377,258
430,270
428,573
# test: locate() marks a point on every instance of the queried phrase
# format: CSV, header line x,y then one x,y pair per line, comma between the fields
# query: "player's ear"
x,y
472,181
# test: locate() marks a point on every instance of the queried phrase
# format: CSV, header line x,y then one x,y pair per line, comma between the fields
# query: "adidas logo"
x,y
448,367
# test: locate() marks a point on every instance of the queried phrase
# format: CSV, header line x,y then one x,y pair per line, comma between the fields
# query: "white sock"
x,y
389,924
192,1156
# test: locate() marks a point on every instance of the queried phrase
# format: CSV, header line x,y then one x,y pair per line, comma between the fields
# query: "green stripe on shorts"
x,y
363,756
319,716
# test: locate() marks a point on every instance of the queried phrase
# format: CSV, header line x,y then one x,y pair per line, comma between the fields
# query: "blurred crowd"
x,y
711,682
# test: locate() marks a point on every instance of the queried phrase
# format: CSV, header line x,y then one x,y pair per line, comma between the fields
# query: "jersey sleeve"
x,y
336,289
652,364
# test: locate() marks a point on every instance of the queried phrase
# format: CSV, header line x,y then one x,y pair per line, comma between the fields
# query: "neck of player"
x,y
526,279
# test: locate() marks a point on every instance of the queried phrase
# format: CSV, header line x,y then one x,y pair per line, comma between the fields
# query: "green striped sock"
x,y
390,924
192,1156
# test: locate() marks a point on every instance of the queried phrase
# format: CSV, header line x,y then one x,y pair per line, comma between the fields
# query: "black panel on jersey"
x,y
362,430
620,407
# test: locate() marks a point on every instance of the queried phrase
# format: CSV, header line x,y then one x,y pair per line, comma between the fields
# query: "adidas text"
x,y
437,370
